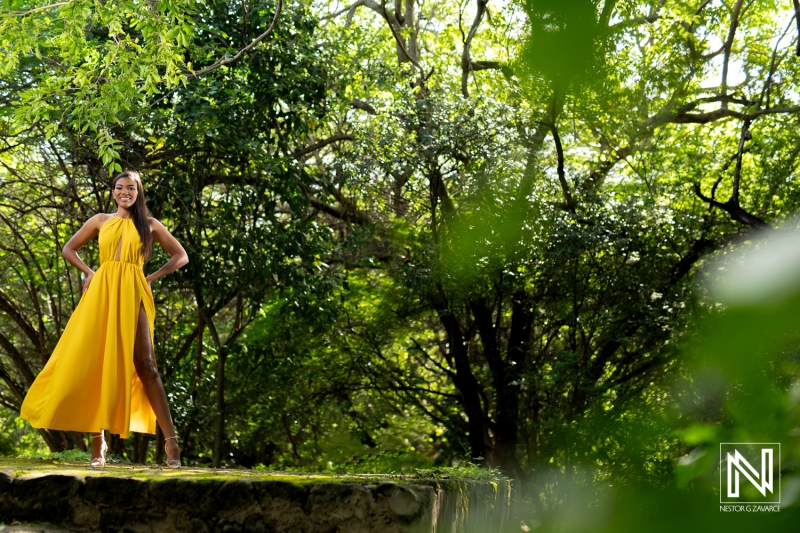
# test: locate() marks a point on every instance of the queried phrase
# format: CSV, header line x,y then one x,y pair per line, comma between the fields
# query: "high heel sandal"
x,y
100,462
172,463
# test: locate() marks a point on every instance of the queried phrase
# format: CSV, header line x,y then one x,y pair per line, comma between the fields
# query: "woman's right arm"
x,y
70,250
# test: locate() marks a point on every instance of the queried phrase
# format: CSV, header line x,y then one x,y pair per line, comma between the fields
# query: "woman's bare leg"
x,y
96,445
145,366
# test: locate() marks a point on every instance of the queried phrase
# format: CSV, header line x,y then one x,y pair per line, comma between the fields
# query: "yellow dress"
x,y
90,384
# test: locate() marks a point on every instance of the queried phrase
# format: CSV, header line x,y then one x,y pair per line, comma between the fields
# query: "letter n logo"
x,y
748,472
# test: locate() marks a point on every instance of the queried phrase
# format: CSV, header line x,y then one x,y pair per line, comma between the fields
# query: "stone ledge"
x,y
140,499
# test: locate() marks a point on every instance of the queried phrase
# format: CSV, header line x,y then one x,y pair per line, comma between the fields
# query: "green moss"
x,y
19,466
22,466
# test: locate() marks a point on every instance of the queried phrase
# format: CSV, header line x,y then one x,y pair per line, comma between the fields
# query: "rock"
x,y
235,494
44,497
122,493
178,493
198,526
6,478
340,502
404,503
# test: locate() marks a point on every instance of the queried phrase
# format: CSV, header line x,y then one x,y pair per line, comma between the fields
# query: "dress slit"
x,y
136,334
143,309
119,246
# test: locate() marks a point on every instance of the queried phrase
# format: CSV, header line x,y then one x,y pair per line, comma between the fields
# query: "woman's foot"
x,y
99,449
173,451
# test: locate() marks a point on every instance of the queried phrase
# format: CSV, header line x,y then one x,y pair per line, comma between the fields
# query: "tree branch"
x,y
737,172
342,213
433,360
605,15
19,361
13,311
562,179
732,206
35,10
390,19
733,209
533,144
184,349
476,66
728,47
623,24
711,116
466,60
797,19
322,144
599,172
13,385
698,248
491,350
349,10
228,60
773,64
400,44
362,105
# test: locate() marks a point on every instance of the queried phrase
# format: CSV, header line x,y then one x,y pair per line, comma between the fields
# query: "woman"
x,y
102,374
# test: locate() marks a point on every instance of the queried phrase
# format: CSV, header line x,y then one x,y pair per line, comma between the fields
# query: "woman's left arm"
x,y
178,256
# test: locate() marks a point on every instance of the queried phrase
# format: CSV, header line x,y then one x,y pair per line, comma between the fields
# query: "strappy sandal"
x,y
172,463
100,462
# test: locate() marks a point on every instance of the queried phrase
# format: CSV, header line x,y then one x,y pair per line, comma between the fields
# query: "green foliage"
x,y
15,437
67,456
465,471
740,386
72,456
96,64
564,44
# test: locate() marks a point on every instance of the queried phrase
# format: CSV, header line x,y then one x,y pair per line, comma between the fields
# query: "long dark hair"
x,y
141,215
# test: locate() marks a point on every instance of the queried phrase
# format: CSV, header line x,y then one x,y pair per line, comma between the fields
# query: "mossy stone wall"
x,y
82,499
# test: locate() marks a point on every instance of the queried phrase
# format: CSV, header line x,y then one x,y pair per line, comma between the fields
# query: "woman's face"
x,y
125,192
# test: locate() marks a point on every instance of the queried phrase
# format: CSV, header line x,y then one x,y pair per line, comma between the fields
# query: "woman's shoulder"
x,y
99,219
154,223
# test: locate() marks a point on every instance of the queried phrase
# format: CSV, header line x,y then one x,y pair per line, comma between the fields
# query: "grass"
x,y
467,471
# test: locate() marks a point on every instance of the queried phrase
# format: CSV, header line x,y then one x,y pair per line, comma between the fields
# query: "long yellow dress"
x,y
90,384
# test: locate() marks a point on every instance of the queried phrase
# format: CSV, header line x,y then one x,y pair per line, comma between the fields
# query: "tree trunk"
x,y
507,418
219,429
79,441
159,445
53,440
468,387
58,441
188,446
